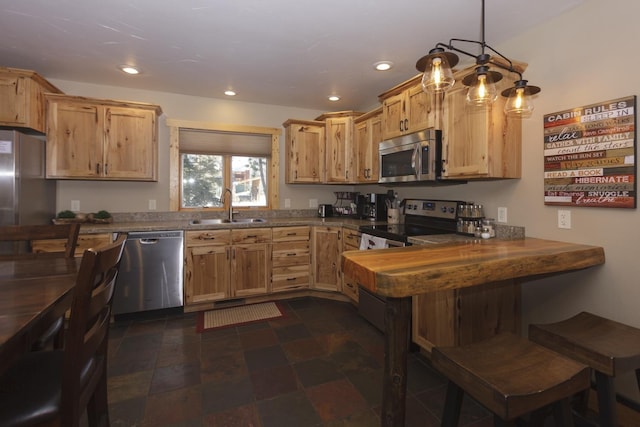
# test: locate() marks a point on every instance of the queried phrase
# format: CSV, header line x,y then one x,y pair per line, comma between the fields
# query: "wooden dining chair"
x,y
55,387
22,235
19,239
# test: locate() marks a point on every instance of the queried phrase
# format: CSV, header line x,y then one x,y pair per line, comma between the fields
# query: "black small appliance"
x,y
372,206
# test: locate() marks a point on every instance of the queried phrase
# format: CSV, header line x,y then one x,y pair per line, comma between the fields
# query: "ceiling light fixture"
x,y
383,65
334,98
438,76
229,93
129,69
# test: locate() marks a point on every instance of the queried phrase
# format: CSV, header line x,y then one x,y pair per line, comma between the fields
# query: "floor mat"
x,y
233,316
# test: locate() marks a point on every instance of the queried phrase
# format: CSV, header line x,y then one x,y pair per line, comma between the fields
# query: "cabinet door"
x,y
306,159
74,140
130,144
420,110
206,274
368,135
339,150
13,101
327,244
351,242
250,269
480,142
393,116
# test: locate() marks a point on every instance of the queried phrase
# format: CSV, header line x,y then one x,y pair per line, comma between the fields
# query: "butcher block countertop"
x,y
413,270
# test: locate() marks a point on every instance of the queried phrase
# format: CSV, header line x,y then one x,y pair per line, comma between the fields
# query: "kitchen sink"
x,y
212,221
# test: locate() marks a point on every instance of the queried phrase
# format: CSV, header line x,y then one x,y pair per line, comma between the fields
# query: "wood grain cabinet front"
x,y
327,249
290,258
406,109
85,241
368,135
101,139
22,102
304,151
350,242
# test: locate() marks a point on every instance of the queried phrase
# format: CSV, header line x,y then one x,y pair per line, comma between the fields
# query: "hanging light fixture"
x,y
438,76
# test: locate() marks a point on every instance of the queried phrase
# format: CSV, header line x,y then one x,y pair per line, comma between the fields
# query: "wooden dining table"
x,y
33,293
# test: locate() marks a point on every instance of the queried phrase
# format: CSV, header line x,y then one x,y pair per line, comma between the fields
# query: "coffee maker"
x,y
372,206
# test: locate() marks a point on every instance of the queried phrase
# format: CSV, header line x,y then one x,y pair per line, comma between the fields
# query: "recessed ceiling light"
x,y
129,69
383,65
334,98
229,93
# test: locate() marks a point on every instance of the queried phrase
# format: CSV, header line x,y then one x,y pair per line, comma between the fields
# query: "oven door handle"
x,y
414,159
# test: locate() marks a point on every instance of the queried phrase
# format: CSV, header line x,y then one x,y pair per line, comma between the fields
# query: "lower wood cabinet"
x,y
224,264
327,249
290,258
465,315
350,242
85,241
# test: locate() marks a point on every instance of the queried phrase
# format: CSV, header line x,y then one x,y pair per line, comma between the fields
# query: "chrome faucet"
x,y
230,204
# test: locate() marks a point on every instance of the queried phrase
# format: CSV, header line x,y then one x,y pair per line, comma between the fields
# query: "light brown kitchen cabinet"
x,y
406,108
250,261
290,258
327,249
207,267
480,142
368,135
304,151
101,139
22,102
350,242
85,241
340,146
466,315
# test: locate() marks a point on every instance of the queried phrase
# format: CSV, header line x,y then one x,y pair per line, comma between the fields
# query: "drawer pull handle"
x,y
292,234
206,237
293,254
289,279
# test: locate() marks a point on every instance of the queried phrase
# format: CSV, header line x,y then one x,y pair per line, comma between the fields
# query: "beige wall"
x,y
585,56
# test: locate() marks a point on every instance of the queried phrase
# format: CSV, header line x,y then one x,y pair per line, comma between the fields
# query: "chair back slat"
x,y
23,235
87,336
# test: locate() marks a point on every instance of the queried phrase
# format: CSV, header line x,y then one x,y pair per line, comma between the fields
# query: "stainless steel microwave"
x,y
411,158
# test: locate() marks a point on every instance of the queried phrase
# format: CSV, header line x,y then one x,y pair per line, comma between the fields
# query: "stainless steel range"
x,y
422,218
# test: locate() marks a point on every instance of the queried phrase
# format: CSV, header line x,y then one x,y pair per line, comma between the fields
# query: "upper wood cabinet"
x,y
368,135
101,139
340,146
22,102
480,142
304,151
406,109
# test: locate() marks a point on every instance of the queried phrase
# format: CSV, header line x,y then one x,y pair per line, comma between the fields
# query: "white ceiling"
x,y
282,52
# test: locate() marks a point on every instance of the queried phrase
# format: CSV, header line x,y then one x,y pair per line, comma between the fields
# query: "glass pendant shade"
x,y
437,77
483,92
519,104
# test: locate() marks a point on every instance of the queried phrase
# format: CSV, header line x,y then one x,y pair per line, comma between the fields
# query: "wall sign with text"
x,y
589,155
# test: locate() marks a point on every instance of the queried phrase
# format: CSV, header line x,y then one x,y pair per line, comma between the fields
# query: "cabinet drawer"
x,y
290,253
251,235
287,234
351,239
208,237
350,289
296,276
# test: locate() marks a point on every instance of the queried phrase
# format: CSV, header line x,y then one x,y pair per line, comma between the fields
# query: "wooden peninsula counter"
x,y
401,273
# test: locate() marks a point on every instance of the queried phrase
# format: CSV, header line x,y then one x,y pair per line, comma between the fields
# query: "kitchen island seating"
x,y
54,387
608,347
21,236
510,376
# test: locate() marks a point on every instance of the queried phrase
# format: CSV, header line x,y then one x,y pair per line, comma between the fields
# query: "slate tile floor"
x,y
320,365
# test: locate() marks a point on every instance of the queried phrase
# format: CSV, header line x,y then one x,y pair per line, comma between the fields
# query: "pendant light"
x,y
438,76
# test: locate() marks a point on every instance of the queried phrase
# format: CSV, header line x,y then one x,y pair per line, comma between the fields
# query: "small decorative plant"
x,y
102,215
66,214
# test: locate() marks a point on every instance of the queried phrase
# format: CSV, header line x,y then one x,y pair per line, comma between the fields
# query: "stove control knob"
x,y
451,210
443,209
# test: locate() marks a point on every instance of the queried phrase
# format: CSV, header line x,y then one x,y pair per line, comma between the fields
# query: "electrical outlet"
x,y
75,205
287,203
502,214
564,218
152,204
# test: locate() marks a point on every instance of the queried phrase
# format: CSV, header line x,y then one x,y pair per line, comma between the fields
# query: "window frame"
x,y
175,163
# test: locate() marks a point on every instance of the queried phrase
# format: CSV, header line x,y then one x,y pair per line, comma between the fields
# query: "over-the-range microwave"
x,y
411,158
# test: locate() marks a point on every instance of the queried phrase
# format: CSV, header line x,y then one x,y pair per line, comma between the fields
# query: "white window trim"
x,y
174,156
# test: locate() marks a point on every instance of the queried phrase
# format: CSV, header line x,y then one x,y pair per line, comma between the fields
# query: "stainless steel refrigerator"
x,y
26,197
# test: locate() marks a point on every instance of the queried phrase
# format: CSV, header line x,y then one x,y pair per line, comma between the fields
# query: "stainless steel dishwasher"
x,y
150,276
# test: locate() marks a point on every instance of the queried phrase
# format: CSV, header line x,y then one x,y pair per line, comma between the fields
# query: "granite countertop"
x,y
185,224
